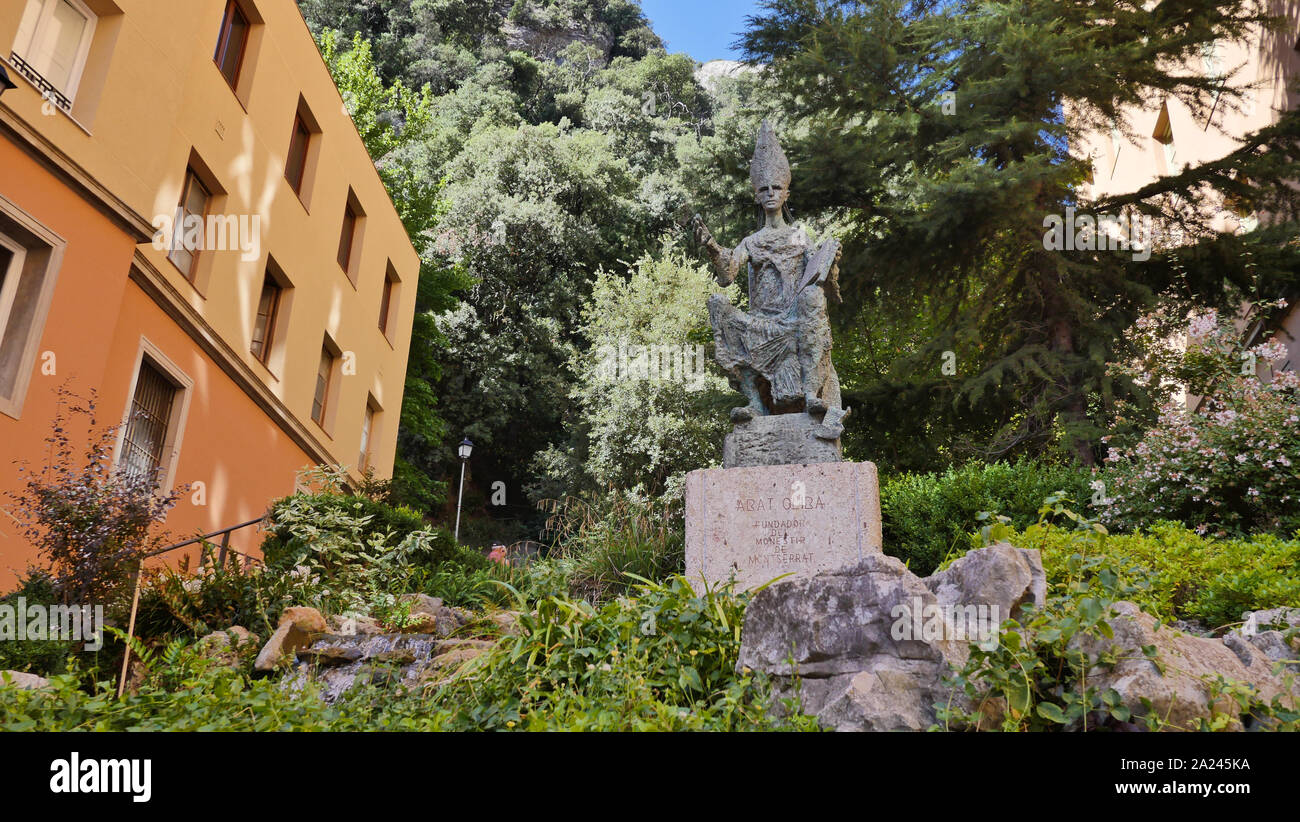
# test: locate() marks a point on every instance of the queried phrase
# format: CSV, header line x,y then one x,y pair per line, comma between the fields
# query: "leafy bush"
x,y
352,548
1189,576
1037,677
601,541
928,516
1230,468
174,603
664,660
41,657
90,522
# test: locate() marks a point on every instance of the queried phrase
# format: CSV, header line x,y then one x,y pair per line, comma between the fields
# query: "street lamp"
x,y
465,449
5,82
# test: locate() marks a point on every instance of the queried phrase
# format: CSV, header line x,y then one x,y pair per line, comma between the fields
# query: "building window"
x,y
30,257
191,218
324,373
367,429
268,310
54,38
346,239
232,43
295,170
11,267
386,304
147,428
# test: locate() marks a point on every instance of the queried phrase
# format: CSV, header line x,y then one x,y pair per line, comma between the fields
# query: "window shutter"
x,y
60,45
27,28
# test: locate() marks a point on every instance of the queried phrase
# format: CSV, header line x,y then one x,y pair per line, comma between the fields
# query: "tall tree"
x,y
394,122
940,132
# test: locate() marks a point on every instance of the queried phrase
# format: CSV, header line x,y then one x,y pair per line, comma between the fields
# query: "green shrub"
x,y
664,660
1190,576
661,659
1037,678
381,519
601,540
174,603
41,657
928,516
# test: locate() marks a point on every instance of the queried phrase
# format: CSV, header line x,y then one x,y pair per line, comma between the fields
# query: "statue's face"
x,y
772,197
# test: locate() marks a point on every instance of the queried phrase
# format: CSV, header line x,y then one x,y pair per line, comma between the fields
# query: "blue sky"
x,y
704,29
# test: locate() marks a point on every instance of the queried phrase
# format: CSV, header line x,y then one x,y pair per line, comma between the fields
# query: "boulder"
x,y
421,603
507,622
22,681
305,618
354,626
1181,688
839,633
1000,575
297,624
1273,618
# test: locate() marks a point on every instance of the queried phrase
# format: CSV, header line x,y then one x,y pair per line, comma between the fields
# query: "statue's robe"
x,y
766,340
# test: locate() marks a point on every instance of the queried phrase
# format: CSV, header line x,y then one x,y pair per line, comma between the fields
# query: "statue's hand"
x,y
702,234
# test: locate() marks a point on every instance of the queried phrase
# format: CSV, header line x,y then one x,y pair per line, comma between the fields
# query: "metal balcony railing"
x,y
45,87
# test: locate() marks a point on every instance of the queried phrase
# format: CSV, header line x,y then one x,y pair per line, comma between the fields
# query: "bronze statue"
x,y
778,354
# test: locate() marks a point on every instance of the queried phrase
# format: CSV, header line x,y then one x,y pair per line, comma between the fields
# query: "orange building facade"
x,y
190,226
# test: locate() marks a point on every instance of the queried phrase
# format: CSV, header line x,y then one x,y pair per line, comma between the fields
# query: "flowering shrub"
x,y
90,520
1230,467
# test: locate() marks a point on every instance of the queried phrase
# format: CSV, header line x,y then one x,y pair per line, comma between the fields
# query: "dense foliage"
x,y
928,517
1232,465
943,134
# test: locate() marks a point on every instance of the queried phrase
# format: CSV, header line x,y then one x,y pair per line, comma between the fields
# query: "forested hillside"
x,y
563,141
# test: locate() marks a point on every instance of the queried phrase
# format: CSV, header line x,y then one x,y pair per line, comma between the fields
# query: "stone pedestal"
x,y
780,439
762,522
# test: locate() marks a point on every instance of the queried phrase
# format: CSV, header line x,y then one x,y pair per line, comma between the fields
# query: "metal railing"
x,y
45,87
222,550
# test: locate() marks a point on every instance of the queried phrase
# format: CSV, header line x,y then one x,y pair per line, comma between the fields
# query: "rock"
x,y
507,622
452,645
308,620
1284,618
22,681
1271,646
297,625
1182,694
421,603
354,626
329,655
447,666
836,631
1001,576
225,646
462,616
397,656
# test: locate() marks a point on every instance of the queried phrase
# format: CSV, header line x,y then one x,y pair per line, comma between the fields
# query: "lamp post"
x,y
465,449
5,82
